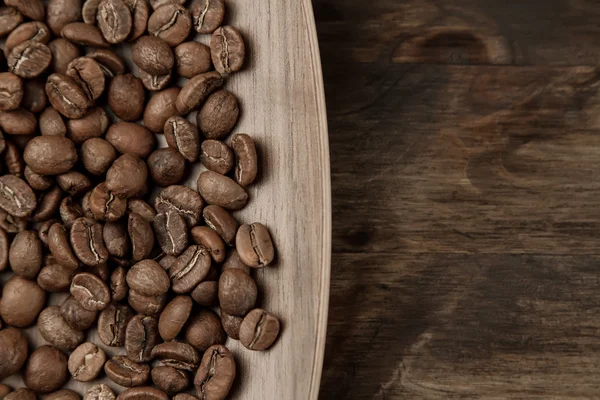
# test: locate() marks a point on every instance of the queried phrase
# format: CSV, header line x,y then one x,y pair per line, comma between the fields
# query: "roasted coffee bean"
x,y
13,351
222,222
112,324
62,12
172,23
10,18
189,269
51,123
11,91
63,52
206,293
66,96
46,370
12,224
148,278
127,175
88,243
254,245
196,91
43,230
141,236
32,9
154,82
4,246
22,301
204,330
109,61
183,396
118,284
16,197
21,394
83,34
36,31
122,371
13,159
205,236
174,317
147,305
126,97
101,271
177,355
105,205
92,124
140,12
90,291
221,190
59,246
166,166
48,204
231,325
152,55
183,136
169,379
216,373
25,254
166,261
55,329
116,239
141,337
127,137
217,156
74,183
160,108
227,49
29,59
75,315
237,292
89,11
143,392
63,394
69,211
114,20
259,330
89,76
191,59
142,208
18,122
171,232
86,362
182,199
218,115
97,155
85,205
159,3
37,181
99,392
34,96
55,278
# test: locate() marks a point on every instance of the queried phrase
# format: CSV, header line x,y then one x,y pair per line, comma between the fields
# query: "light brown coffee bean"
x,y
63,52
48,204
148,278
32,9
51,123
182,199
169,379
141,337
46,370
207,15
60,247
89,11
127,137
4,246
160,108
88,243
83,34
174,317
183,136
177,355
118,284
143,392
90,291
166,166
216,373
154,82
218,115
142,208
89,76
92,124
62,12
217,156
254,245
11,88
56,331
86,362
116,238
147,305
152,55
34,96
21,394
140,12
172,23
189,269
55,278
220,190
105,205
63,394
218,219
114,20
66,96
126,97
127,176
210,239
97,155
204,330
196,91
13,159
231,325
74,183
25,254
13,351
37,181
122,371
141,236
29,59
36,31
206,293
227,49
76,316
22,301
112,324
191,59
10,18
171,232
18,122
43,230
237,292
259,330
99,392
109,61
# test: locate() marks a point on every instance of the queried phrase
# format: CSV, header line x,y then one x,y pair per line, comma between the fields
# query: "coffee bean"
x,y
169,379
87,242
184,396
166,166
126,97
218,115
189,269
92,124
217,156
220,190
143,392
86,362
141,236
114,20
140,12
18,122
97,155
36,31
46,370
237,292
22,301
148,278
85,205
70,211
127,176
89,11
110,62
88,75
127,137
177,355
154,82
48,204
32,9
63,52
216,373
183,136
83,34
210,239
62,12
4,245
56,331
55,278
105,205
231,325
147,305
43,230
21,394
11,88
171,232
227,49
153,55
66,96
90,291
206,293
99,392
254,245
29,59
222,222
191,59
174,317
74,183
160,108
34,96
51,123
13,159
37,181
25,254
76,316
142,208
207,15
12,224
196,91
112,324
59,246
63,394
116,238
141,337
259,329
10,18
172,23
204,330
182,199
101,271
13,351
122,371
166,261
159,3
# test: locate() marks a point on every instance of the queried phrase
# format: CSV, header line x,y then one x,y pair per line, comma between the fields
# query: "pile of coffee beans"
x,y
91,206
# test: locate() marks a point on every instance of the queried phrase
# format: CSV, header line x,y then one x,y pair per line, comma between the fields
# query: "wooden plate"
x,y
283,108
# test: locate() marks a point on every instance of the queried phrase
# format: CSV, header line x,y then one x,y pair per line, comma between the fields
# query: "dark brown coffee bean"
x,y
217,156
13,159
160,108
204,330
10,18
210,239
182,199
4,245
62,12
63,52
88,243
18,122
153,55
89,76
90,291
154,82
22,301
189,269
231,325
147,305
21,394
171,232
37,181
172,23
112,324
177,355
13,351
86,362
207,15
141,236
237,292
126,97
127,176
169,379
11,91
222,222
254,245
105,205
36,31
93,124
25,255
60,248
143,393
220,190
166,166
148,278
89,11
174,317
196,91
46,370
191,59
110,62
63,394
142,208
48,204
116,239
76,316
122,371
12,224
183,136
141,337
114,20
66,96
259,330
97,155
32,9
227,49
166,261
216,373
127,137
34,96
74,183
55,329
99,392
83,34
51,123
206,293
55,278
218,115
29,59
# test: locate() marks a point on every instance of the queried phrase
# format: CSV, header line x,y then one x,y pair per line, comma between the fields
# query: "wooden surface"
x,y
465,148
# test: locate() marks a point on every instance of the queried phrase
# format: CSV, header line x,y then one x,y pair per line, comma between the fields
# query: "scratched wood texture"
x,y
465,150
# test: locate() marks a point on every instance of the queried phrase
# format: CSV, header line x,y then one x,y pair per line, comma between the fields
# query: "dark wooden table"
x,y
465,150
